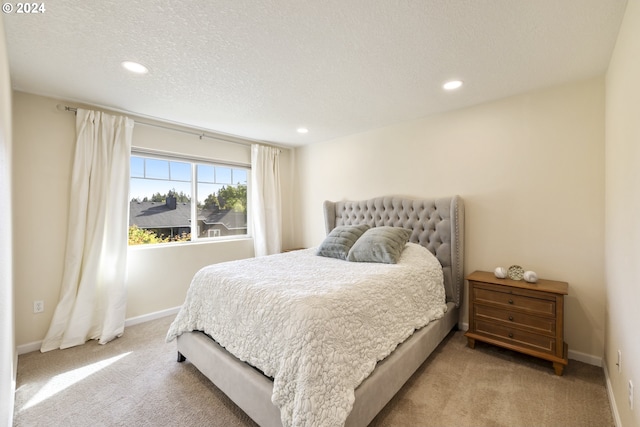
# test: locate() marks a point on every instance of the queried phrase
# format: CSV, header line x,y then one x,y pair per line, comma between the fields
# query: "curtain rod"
x,y
200,135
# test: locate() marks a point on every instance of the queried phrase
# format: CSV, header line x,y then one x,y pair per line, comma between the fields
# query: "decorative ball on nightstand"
x,y
530,276
500,272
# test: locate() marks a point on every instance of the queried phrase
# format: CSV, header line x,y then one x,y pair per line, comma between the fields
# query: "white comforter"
x,y
316,325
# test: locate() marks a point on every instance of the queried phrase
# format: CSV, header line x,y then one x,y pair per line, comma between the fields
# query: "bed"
x,y
268,395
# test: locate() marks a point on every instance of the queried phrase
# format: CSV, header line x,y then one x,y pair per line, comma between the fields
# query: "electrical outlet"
x,y
630,395
619,363
38,306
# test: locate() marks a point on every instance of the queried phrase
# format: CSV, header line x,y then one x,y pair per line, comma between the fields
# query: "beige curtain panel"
x,y
93,295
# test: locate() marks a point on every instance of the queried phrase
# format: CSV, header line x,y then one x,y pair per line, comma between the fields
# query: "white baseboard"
x,y
151,316
586,358
35,346
29,347
612,400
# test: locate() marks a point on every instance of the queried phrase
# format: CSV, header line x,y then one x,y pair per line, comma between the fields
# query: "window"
x,y
169,195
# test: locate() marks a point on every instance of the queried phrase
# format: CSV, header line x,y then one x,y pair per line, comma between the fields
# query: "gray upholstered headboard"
x,y
437,224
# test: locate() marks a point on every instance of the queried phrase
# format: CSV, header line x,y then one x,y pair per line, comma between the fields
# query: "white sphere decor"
x,y
530,276
500,272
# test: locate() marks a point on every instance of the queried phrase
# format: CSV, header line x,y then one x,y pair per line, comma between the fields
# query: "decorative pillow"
x,y
380,244
340,240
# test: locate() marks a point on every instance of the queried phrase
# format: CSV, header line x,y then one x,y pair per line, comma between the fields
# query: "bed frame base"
x,y
251,390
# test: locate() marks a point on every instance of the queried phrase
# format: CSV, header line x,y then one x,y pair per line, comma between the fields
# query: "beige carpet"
x,y
135,381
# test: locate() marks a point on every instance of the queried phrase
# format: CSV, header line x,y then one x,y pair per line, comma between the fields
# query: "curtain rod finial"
x,y
61,107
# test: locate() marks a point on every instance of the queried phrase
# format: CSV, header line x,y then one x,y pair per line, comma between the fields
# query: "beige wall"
x,y
157,277
622,243
530,169
8,355
42,155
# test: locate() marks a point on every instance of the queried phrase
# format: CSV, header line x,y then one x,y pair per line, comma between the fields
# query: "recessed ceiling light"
x,y
451,85
302,130
135,67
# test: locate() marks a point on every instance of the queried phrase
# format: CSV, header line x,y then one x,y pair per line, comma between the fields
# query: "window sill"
x,y
189,244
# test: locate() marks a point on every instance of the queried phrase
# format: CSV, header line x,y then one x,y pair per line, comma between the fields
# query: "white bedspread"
x,y
316,325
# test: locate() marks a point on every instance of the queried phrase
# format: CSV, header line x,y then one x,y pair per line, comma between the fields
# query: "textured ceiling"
x,y
262,68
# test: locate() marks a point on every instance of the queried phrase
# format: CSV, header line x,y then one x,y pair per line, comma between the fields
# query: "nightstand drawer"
x,y
511,301
517,337
540,325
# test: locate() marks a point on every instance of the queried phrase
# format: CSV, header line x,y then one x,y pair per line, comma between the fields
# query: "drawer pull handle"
x,y
510,301
510,334
510,317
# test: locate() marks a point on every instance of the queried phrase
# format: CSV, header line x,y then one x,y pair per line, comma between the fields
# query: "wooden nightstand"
x,y
520,316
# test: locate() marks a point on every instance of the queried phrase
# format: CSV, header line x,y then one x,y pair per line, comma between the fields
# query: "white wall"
x,y
622,243
530,169
8,356
44,140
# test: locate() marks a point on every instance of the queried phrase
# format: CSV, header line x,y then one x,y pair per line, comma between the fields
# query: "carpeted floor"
x,y
135,381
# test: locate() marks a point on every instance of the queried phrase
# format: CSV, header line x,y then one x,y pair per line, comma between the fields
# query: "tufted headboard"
x,y
437,224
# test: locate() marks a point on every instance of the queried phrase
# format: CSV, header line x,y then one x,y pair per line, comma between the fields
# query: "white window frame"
x,y
194,161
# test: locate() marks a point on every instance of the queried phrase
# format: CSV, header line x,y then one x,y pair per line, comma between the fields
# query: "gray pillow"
x,y
340,240
380,244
